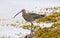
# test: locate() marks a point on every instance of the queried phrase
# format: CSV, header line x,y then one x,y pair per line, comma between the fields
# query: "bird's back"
x,y
32,16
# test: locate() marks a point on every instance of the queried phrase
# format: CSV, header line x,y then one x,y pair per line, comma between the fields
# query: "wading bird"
x,y
29,17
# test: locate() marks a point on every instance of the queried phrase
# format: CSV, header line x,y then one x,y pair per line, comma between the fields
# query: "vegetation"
x,y
50,18
52,32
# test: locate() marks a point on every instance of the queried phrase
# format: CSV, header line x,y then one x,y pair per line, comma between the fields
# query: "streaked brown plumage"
x,y
29,17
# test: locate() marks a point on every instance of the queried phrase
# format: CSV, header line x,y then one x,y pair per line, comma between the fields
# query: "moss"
x,y
49,32
50,18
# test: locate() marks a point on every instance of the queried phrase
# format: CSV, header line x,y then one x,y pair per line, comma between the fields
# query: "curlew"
x,y
29,17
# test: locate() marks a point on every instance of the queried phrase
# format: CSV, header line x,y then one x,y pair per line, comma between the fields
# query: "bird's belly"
x,y
28,18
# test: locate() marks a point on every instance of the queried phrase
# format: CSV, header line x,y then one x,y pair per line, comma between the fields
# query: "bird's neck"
x,y
24,13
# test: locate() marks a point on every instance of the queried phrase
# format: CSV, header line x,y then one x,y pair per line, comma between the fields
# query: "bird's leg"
x,y
31,29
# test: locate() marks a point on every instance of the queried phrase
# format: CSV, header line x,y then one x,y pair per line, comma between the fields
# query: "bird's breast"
x,y
27,17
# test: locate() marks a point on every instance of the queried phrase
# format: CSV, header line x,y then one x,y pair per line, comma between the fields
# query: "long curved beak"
x,y
17,14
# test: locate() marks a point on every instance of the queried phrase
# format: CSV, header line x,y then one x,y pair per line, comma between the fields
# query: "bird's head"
x,y
22,11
